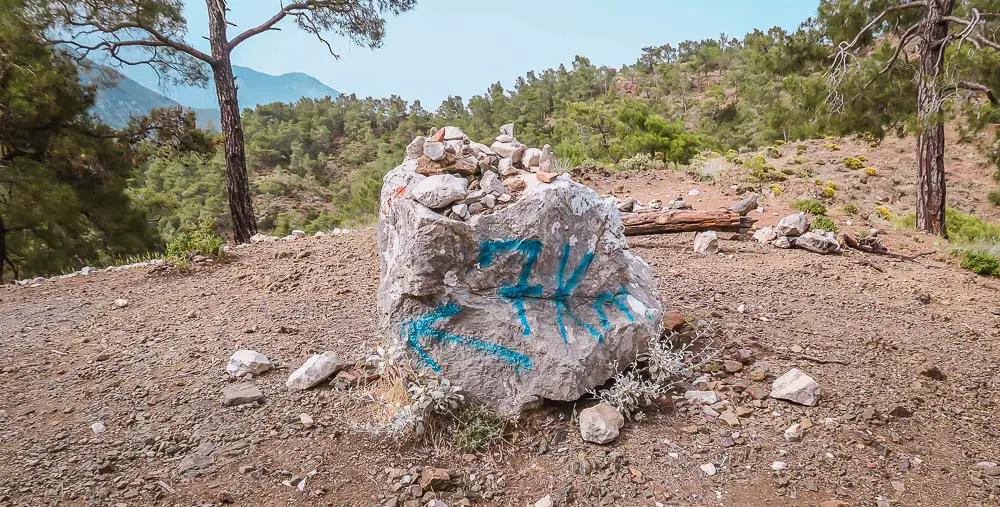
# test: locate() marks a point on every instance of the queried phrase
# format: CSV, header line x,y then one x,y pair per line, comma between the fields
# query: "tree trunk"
x,y
240,202
930,137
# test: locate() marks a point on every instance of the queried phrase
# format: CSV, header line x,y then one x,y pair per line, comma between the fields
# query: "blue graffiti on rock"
x,y
517,293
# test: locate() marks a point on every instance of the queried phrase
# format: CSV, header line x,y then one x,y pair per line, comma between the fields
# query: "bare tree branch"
x,y
269,24
973,86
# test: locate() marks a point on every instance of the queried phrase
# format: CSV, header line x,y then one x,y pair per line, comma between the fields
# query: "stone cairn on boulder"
x,y
506,277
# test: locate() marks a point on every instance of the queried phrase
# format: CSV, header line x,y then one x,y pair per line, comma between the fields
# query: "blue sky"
x,y
460,47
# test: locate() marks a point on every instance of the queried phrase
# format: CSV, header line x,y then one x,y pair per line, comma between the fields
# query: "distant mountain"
x,y
116,104
255,88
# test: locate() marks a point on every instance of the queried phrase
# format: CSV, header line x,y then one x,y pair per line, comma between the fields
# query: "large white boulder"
x,y
819,241
538,299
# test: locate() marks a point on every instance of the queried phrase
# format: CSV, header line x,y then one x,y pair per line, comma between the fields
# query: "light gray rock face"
x,y
316,369
454,134
491,183
600,424
765,235
819,241
506,150
706,243
539,299
247,361
796,386
434,150
792,225
531,157
416,148
440,190
507,129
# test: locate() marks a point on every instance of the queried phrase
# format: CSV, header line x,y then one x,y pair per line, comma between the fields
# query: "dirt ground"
x,y
889,429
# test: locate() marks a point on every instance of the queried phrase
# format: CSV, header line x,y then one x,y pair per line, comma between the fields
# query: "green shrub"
x,y
733,157
642,162
828,192
201,241
476,428
981,263
832,146
800,149
773,152
994,197
885,214
814,206
824,222
776,189
854,162
850,209
962,227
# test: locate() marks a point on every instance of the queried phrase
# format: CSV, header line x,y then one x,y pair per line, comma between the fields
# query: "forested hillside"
x,y
317,164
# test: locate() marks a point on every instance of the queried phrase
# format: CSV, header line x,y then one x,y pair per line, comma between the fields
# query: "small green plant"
x,y
201,241
828,192
773,152
850,209
642,162
776,189
732,156
814,206
831,146
831,184
825,223
981,263
884,213
780,142
854,162
476,428
760,170
994,197
800,148
871,171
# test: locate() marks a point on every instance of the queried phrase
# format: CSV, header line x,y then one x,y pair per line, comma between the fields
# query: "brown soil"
x,y
153,371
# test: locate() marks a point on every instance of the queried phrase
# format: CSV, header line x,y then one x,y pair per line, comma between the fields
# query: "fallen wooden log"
x,y
684,220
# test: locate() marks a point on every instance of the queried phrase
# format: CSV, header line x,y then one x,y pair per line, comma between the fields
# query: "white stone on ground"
x,y
600,424
314,370
247,361
706,243
792,225
797,387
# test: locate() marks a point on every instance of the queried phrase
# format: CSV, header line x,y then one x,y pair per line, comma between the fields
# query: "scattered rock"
x,y
240,394
545,501
778,466
793,225
784,242
246,361
706,243
454,134
730,418
298,233
600,424
98,428
703,397
765,235
306,420
120,303
314,370
709,469
674,321
821,242
793,433
797,387
437,479
732,366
